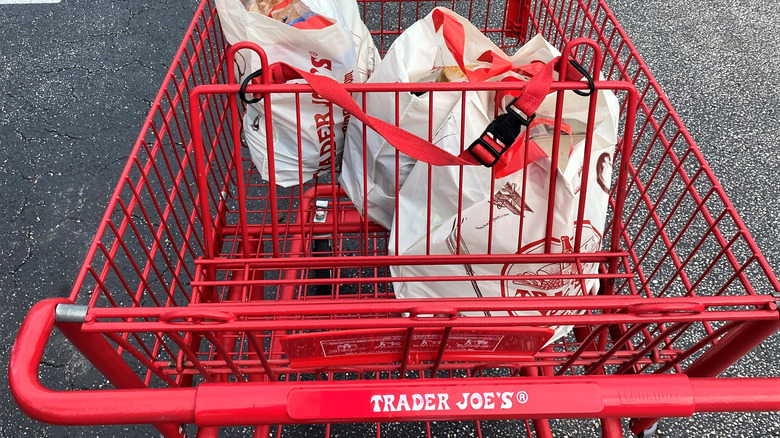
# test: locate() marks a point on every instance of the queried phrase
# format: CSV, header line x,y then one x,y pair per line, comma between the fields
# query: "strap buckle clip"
x,y
499,135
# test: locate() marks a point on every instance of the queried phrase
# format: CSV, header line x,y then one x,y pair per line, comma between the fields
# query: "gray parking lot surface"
x,y
78,78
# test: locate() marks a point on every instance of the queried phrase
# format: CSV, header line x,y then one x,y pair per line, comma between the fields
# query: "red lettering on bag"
x,y
322,126
323,135
321,62
325,164
346,123
522,293
321,121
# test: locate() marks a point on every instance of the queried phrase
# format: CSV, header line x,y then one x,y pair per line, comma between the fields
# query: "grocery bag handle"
x,y
521,109
454,35
495,62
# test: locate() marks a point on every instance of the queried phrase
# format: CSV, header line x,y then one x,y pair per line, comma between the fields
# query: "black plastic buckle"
x,y
499,135
521,117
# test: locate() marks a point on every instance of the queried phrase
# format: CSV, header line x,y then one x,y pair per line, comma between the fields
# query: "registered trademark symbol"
x,y
522,396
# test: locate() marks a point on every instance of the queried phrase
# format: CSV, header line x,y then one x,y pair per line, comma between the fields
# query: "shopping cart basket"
x,y
211,298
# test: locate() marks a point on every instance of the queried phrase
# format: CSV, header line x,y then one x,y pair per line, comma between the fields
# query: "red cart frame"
x,y
200,271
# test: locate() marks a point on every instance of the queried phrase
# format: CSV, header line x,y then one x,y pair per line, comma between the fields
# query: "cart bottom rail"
x,y
226,404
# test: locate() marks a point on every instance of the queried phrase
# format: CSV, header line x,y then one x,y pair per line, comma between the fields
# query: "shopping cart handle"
x,y
228,404
120,406
636,396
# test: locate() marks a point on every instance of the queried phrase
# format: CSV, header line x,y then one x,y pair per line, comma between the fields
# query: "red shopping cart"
x,y
211,298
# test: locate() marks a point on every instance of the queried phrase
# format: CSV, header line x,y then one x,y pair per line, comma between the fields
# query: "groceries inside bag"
x,y
326,37
293,13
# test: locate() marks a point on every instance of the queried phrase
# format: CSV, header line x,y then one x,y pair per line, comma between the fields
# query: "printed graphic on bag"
x,y
508,197
542,281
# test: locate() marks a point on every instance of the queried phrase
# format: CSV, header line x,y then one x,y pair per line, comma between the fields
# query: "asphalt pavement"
x,y
78,78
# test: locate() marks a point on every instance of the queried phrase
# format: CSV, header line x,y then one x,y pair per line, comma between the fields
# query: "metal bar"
x,y
87,407
262,403
670,306
526,397
611,428
471,322
379,261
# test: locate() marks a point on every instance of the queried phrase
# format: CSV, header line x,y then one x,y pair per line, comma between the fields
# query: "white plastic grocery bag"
x,y
326,37
471,212
433,49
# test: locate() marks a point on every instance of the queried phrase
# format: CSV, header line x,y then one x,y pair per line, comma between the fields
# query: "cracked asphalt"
x,y
78,78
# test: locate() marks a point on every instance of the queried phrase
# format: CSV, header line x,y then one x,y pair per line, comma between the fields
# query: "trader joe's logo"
x,y
442,401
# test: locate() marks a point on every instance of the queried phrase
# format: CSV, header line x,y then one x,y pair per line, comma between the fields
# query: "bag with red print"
x,y
505,209
326,37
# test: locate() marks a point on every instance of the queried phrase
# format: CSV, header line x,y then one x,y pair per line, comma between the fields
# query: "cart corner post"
x,y
518,13
87,406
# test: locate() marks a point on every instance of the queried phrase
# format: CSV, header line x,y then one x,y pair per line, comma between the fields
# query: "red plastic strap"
x,y
484,156
455,37
517,159
281,5
313,22
534,93
536,89
530,69
405,142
